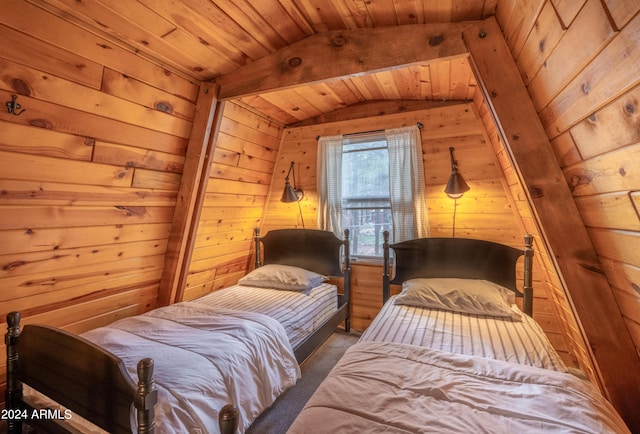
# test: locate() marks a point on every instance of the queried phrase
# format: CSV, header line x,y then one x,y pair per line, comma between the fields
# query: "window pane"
x,y
365,194
367,226
365,174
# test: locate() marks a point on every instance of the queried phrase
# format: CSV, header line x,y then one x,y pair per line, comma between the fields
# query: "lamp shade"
x,y
456,186
289,194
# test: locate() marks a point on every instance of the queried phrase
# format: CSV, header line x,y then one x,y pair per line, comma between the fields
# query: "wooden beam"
x,y
374,108
344,53
195,173
613,350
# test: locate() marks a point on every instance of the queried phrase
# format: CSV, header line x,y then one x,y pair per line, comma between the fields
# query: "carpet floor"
x,y
278,418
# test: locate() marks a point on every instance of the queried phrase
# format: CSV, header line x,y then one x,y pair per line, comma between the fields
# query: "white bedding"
x,y
204,358
513,341
400,388
300,312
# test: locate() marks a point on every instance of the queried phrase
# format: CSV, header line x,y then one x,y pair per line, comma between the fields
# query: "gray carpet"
x,y
278,418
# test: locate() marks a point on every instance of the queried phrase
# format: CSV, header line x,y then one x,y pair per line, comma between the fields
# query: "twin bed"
x,y
214,363
452,353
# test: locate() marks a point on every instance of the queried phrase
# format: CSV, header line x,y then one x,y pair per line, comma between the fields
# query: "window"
x,y
370,183
366,206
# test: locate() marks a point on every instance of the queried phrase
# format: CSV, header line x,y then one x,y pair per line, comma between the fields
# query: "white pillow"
x,y
474,296
282,277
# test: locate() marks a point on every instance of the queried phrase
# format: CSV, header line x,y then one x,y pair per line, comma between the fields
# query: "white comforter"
x,y
205,358
399,388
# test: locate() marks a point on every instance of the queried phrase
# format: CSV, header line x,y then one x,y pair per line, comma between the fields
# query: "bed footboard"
x,y
76,374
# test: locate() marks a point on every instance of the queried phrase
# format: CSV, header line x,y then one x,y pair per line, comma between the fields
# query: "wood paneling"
x,y
87,172
592,121
245,150
557,213
111,87
487,211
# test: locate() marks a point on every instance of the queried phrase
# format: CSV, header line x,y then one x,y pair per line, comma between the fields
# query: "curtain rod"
x,y
419,124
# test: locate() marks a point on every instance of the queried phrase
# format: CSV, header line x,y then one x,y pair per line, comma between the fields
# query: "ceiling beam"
x,y
374,108
524,136
340,54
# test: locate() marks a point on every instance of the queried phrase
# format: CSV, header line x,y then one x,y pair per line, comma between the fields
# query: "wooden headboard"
x,y
311,249
462,258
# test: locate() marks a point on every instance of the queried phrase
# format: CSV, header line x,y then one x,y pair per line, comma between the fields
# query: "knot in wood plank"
x,y
21,87
295,61
338,41
536,192
434,41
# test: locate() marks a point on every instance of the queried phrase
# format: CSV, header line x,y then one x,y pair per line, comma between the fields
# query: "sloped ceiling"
x,y
205,39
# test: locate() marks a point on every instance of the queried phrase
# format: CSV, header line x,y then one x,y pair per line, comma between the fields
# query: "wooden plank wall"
x,y
88,173
246,147
487,211
554,313
579,61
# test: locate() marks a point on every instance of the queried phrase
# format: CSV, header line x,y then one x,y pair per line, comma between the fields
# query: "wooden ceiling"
x,y
206,39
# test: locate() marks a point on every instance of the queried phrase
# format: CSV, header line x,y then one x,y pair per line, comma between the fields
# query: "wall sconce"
x,y
456,186
292,194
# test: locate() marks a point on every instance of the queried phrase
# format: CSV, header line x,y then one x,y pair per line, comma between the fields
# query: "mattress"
x,y
399,388
299,312
522,342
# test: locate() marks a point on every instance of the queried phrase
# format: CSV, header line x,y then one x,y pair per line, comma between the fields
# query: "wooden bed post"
x,y
13,394
228,419
256,240
347,279
146,397
385,267
527,290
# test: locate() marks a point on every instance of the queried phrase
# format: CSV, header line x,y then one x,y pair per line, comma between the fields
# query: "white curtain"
x,y
329,180
406,184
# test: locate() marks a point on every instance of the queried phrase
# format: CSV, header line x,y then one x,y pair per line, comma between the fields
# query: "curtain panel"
x,y
329,184
407,188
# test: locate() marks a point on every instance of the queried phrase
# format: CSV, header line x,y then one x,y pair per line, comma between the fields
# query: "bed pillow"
x,y
282,277
473,296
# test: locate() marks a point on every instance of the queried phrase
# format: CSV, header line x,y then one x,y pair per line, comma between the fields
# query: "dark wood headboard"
x,y
311,249
462,258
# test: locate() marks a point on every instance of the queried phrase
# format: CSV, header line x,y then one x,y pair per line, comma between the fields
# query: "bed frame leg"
x,y
13,393
146,397
347,278
527,302
385,267
256,242
228,419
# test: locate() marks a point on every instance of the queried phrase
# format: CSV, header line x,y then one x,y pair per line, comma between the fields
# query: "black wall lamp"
x,y
456,186
292,194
